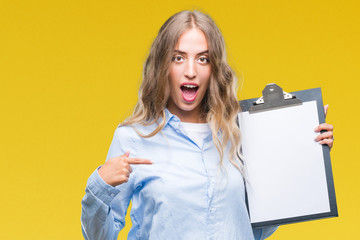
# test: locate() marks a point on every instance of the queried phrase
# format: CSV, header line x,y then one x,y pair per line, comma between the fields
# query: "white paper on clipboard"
x,y
285,167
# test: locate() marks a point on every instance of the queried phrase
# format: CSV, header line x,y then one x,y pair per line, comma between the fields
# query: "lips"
x,y
189,91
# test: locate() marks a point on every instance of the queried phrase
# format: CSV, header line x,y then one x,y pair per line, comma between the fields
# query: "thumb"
x,y
326,109
127,153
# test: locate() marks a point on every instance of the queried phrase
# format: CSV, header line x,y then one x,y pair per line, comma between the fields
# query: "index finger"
x,y
138,161
324,126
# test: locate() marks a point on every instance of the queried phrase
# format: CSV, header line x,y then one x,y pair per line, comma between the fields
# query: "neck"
x,y
190,118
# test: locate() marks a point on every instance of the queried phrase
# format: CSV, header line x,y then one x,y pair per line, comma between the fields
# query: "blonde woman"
x,y
176,156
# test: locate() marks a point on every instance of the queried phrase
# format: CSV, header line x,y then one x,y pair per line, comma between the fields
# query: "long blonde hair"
x,y
219,105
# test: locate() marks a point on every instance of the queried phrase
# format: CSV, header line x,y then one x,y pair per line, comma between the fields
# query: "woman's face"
x,y
189,76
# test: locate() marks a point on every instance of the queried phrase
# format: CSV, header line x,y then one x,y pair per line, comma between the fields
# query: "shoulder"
x,y
133,132
138,129
125,139
125,133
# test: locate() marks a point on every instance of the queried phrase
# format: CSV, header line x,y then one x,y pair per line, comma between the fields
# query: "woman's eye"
x,y
203,59
178,58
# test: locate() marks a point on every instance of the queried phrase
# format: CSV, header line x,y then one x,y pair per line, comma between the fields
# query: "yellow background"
x,y
70,71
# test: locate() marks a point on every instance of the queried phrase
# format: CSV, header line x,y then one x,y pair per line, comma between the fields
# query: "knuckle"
x,y
329,127
125,179
124,163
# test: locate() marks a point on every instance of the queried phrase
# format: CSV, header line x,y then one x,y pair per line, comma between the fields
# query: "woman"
x,y
176,156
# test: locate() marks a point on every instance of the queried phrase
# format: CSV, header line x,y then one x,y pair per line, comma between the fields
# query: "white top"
x,y
196,131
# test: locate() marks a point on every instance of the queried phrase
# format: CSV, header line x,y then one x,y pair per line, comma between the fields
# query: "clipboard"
x,y
288,175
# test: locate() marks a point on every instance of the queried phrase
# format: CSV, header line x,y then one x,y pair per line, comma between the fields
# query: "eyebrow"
x,y
200,53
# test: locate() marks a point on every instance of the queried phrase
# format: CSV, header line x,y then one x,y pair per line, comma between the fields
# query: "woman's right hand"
x,y
117,170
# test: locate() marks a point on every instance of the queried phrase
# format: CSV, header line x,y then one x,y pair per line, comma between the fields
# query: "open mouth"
x,y
189,92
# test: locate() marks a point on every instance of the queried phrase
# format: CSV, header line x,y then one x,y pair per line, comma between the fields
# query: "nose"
x,y
190,70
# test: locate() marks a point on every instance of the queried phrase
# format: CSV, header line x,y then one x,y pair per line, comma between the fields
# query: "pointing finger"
x,y
138,161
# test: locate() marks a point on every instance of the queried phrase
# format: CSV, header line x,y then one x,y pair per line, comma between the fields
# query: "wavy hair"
x,y
219,106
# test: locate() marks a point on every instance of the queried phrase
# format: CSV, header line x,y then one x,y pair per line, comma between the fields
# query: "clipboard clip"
x,y
274,97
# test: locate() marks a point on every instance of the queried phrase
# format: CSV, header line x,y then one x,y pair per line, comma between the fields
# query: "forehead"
x,y
191,41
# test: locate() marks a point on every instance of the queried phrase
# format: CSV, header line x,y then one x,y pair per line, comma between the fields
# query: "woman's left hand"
x,y
328,136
